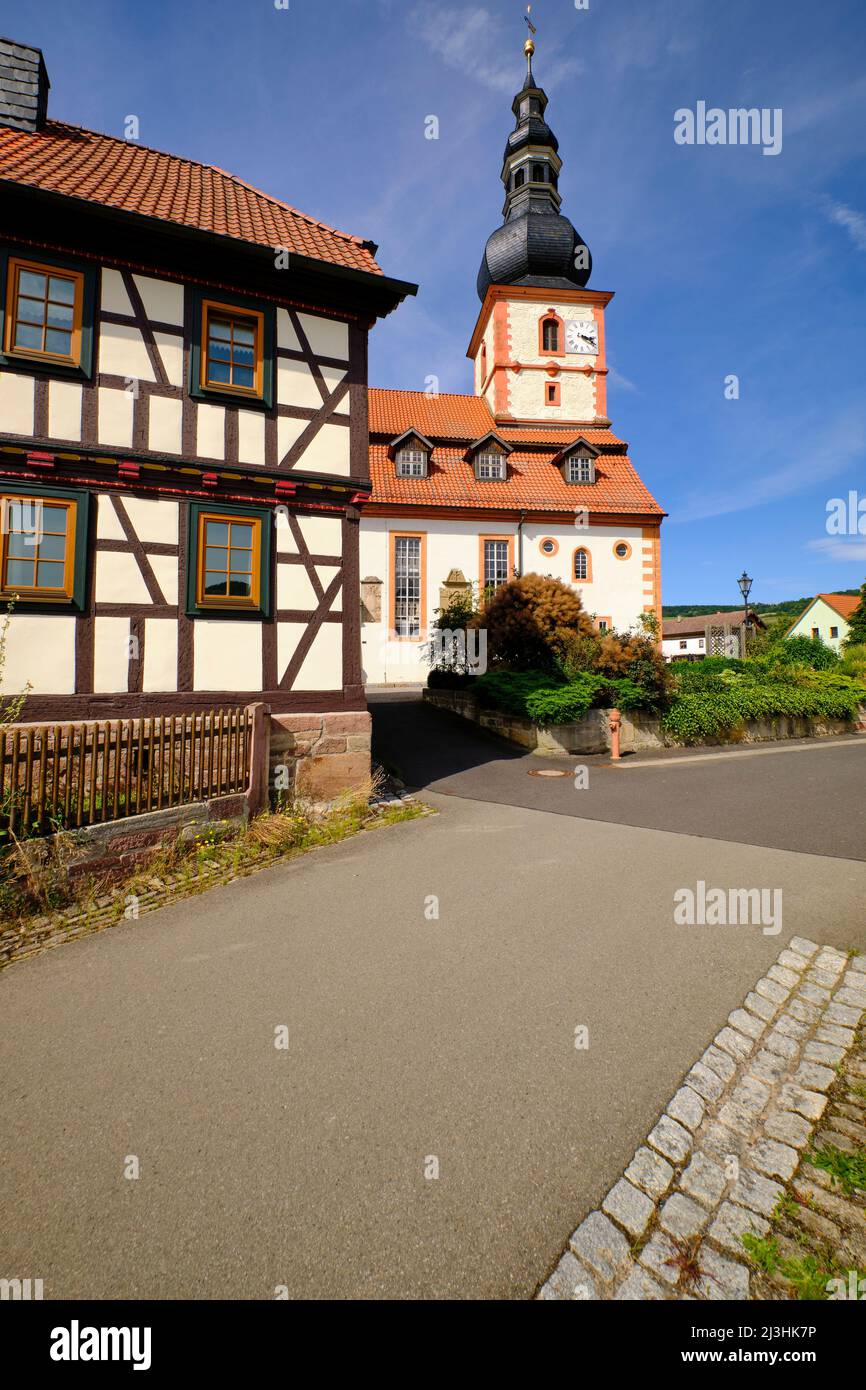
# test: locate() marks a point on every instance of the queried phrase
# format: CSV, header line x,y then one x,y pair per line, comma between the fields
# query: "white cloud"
x,y
474,42
812,458
844,548
622,383
853,222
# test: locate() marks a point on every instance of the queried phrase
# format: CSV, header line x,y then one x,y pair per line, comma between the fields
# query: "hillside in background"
x,y
791,606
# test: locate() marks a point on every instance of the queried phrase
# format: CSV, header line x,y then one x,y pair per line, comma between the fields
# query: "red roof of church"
x,y
122,174
534,482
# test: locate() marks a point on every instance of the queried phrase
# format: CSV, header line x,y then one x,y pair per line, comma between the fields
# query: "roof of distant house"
x,y
696,624
453,422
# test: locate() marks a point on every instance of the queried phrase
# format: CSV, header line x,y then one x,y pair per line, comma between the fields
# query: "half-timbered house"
x,y
183,430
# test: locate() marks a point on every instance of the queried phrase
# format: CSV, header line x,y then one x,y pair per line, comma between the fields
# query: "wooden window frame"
x,y
34,594
578,458
73,360
489,454
393,537
399,460
551,316
73,594
236,306
228,601
198,605
218,309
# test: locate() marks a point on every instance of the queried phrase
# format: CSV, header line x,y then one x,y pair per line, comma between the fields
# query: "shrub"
x,y
452,654
531,621
803,651
853,661
510,690
636,657
857,621
708,710
538,696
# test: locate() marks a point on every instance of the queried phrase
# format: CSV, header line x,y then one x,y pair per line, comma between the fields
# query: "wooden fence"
x,y
64,776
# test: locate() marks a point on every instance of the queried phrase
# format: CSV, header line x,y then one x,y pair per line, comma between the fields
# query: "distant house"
x,y
689,639
826,617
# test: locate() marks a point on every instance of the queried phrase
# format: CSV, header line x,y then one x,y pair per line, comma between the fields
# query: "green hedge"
x,y
703,712
540,697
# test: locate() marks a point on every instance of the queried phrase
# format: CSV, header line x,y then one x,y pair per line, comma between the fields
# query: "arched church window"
x,y
581,566
550,335
519,178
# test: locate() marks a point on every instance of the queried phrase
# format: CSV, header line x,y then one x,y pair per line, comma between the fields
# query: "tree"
x,y
857,621
532,621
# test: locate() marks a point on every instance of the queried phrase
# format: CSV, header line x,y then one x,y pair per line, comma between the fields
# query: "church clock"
x,y
581,335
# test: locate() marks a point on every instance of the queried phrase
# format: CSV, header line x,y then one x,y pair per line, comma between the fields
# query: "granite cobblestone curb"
x,y
731,1143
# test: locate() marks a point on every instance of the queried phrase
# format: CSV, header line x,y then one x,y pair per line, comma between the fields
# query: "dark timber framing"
x,y
221,268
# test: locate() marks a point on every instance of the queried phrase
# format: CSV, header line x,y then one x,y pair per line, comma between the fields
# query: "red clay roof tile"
x,y
534,482
117,173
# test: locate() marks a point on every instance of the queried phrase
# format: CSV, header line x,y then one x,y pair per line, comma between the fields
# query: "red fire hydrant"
x,y
615,724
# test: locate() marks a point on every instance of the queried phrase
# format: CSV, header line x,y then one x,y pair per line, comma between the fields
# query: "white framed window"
x,y
581,469
412,463
407,586
490,466
495,563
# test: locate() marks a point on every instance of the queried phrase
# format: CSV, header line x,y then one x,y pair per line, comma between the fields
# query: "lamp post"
x,y
745,585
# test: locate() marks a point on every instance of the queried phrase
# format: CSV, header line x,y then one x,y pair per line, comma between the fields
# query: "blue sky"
x,y
724,260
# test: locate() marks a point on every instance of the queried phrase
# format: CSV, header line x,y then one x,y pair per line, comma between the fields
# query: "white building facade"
x,y
524,475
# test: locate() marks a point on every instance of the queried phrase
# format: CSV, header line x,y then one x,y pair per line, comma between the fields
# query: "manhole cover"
x,y
548,772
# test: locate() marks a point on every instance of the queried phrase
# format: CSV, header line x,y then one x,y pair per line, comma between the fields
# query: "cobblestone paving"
x,y
782,1084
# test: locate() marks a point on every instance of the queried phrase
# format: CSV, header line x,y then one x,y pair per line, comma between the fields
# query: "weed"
x,y
847,1170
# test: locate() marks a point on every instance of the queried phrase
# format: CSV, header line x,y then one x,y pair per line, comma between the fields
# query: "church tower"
x,y
538,345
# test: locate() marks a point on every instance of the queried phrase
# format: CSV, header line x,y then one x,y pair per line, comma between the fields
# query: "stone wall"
x,y
641,732
319,756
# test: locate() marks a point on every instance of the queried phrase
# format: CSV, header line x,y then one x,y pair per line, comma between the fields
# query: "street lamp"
x,y
745,585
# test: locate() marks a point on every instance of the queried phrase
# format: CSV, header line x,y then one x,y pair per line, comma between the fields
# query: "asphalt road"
x,y
409,1039
807,795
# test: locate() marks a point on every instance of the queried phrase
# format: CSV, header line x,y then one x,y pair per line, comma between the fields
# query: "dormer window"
x,y
490,466
580,468
412,462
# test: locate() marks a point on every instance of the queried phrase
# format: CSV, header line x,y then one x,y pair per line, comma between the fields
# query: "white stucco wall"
x,y
616,591
821,616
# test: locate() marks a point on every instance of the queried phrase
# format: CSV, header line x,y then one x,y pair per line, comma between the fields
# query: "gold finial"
x,y
529,46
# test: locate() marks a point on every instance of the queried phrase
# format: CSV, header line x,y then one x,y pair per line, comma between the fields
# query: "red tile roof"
x,y
117,173
439,417
534,482
844,604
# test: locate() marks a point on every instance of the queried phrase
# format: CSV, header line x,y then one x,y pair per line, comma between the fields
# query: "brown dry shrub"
x,y
531,621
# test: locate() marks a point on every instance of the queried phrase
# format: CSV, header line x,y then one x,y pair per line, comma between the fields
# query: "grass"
x,y
848,1171
808,1275
30,890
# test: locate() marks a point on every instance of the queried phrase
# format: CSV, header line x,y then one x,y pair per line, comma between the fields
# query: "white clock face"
x,y
581,335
